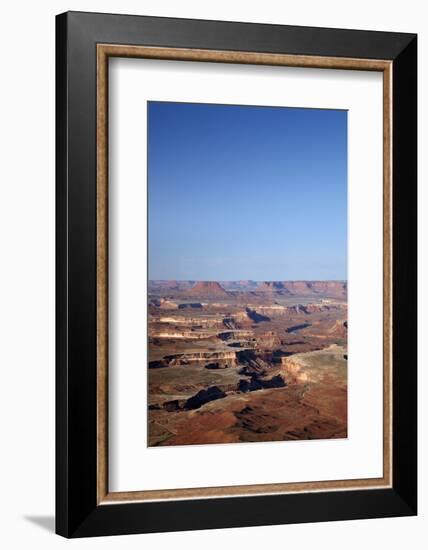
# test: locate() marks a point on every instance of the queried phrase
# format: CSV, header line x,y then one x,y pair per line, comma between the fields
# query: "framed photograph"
x,y
236,274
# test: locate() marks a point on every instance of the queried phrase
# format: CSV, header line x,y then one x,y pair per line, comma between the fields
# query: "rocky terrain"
x,y
246,361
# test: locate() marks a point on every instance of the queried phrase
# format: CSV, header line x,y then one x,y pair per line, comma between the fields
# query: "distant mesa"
x,y
332,289
300,287
207,288
272,286
329,287
240,286
169,285
247,284
162,285
309,288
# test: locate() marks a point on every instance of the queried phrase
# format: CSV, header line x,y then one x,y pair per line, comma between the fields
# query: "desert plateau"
x,y
246,361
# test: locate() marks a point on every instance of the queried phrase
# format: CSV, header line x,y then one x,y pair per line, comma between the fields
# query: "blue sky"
x,y
238,192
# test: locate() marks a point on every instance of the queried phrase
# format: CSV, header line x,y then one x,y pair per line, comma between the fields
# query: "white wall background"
x,y
27,271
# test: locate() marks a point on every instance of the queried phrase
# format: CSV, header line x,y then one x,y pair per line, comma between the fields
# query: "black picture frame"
x,y
77,511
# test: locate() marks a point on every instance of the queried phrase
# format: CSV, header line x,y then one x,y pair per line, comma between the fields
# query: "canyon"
x,y
246,361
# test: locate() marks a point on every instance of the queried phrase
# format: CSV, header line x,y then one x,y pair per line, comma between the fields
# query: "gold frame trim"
x,y
104,51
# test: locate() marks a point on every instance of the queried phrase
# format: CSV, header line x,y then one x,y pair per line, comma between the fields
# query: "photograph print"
x,y
247,268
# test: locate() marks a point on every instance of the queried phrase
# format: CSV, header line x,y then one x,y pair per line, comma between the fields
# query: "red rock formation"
x,y
207,288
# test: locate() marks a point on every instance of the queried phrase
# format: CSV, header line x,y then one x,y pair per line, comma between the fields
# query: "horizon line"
x,y
255,280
